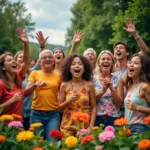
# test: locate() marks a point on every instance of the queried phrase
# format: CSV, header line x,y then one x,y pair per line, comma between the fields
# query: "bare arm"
x,y
76,39
146,92
118,95
26,59
93,104
17,96
132,30
63,102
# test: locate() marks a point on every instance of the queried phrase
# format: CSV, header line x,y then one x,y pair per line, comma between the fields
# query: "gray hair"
x,y
45,51
89,49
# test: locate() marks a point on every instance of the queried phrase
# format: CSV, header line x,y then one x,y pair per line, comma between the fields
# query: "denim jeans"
x,y
49,119
138,128
106,121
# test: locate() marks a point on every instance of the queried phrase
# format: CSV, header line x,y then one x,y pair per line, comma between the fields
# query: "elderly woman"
x,y
45,84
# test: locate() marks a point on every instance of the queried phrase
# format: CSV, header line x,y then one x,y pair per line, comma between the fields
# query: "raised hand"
x,y
23,35
130,26
77,36
39,36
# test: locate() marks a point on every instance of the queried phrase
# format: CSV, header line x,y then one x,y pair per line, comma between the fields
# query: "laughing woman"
x,y
11,93
105,83
45,84
76,92
137,101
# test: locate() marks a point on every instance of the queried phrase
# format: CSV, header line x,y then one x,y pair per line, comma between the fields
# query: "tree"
x,y
139,11
95,18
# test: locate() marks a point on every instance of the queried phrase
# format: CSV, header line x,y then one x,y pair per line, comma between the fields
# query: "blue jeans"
x,y
138,128
105,120
49,119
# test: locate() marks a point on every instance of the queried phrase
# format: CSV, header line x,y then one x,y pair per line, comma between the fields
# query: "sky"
x,y
52,17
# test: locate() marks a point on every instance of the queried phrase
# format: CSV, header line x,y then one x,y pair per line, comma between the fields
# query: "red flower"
x,y
80,116
87,139
55,134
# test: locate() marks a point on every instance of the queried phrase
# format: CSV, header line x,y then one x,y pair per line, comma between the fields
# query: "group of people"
x,y
106,88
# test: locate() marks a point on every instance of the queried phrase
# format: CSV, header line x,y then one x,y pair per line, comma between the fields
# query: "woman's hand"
x,y
40,83
17,97
23,35
77,36
131,105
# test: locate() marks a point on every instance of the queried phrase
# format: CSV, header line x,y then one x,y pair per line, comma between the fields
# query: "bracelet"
x,y
137,38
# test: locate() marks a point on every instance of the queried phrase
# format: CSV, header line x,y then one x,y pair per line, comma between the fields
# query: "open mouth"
x,y
14,66
131,71
77,70
58,57
106,65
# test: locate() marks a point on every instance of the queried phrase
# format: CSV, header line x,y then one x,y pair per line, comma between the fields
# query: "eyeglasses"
x,y
48,57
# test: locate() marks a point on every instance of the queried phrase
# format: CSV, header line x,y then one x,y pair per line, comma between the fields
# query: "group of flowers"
x,y
97,139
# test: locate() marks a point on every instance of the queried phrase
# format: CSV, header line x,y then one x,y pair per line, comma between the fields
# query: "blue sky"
x,y
52,17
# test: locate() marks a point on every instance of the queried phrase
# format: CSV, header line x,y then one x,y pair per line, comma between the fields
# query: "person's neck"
x,y
136,81
47,70
105,74
11,77
77,80
122,63
57,67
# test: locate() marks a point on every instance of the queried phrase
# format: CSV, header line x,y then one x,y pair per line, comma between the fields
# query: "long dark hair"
x,y
65,68
145,71
3,75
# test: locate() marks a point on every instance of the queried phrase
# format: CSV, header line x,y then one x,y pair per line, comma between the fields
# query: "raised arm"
x,y
41,40
76,39
26,58
132,30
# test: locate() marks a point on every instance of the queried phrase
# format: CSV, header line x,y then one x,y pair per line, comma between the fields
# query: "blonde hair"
x,y
17,54
45,51
89,49
97,69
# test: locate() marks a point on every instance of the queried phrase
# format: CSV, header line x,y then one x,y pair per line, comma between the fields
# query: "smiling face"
x,y
58,56
120,52
90,56
134,67
77,68
105,62
46,60
10,65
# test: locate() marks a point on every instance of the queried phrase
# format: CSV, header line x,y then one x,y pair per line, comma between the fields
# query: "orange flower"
x,y
121,121
37,148
127,131
31,129
147,120
2,139
87,139
95,128
17,116
40,140
144,144
80,116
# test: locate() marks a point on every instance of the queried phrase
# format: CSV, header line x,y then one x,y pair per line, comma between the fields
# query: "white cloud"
x,y
55,36
51,16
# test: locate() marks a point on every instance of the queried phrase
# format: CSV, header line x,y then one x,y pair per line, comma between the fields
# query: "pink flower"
x,y
98,147
82,132
15,124
106,136
110,128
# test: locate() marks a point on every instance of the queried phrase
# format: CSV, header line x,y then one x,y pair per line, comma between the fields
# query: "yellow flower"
x,y
95,128
24,135
71,141
6,117
36,125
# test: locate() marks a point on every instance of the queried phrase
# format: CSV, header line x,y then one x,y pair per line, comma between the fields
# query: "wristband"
x,y
137,38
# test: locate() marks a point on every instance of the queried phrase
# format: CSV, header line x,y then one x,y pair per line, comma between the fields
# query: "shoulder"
x,y
89,84
145,87
64,85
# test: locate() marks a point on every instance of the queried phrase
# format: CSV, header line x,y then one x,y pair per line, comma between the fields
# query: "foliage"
x,y
13,15
139,11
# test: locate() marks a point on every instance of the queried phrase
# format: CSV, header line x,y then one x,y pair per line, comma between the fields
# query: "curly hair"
x,y
65,68
145,70
3,75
